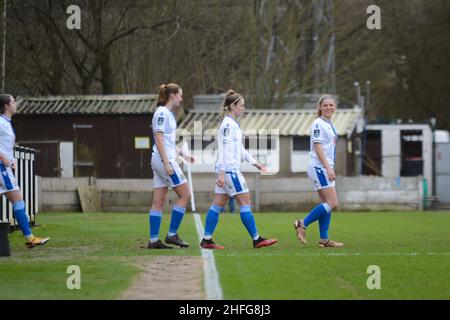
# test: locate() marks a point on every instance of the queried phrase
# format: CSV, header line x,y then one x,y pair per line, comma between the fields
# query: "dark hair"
x,y
4,100
164,92
325,96
230,98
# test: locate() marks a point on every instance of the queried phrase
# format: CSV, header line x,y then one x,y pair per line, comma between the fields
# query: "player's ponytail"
x,y
230,98
4,100
326,96
164,92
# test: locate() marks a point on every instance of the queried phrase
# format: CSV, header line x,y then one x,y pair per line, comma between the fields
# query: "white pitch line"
x,y
212,284
345,254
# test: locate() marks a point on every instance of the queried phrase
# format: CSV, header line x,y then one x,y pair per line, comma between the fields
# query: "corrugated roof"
x,y
288,122
212,102
87,104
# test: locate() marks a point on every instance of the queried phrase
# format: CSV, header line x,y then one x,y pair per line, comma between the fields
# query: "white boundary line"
x,y
212,283
345,254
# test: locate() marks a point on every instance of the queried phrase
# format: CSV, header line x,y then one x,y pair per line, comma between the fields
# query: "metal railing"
x,y
28,184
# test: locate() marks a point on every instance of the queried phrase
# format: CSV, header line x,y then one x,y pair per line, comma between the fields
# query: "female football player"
x,y
321,173
166,171
8,184
229,180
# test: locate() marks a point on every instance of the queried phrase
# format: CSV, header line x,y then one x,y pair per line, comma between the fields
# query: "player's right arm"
x,y
159,124
221,163
4,160
3,157
321,155
318,139
159,141
225,139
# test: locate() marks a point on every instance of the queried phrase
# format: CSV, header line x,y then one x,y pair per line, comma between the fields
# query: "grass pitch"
x,y
412,250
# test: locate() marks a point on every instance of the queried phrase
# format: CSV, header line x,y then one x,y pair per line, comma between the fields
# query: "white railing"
x,y
28,183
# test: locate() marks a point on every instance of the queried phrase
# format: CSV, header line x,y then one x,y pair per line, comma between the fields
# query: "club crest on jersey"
x,y
226,132
160,121
316,133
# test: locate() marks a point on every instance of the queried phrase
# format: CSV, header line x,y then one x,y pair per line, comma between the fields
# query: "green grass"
x,y
104,245
412,250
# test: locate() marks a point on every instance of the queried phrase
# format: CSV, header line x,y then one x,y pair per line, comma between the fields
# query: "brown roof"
x,y
87,104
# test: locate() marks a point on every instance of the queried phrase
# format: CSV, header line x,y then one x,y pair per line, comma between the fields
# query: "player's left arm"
x,y
188,157
248,157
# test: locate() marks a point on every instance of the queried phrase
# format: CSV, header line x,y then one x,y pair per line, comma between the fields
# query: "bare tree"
x,y
83,55
266,49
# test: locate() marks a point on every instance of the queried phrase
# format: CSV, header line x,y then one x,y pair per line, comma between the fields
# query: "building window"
x,y
411,151
260,142
300,143
198,142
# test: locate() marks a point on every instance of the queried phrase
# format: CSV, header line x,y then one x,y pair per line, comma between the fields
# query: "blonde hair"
x,y
230,98
324,97
164,92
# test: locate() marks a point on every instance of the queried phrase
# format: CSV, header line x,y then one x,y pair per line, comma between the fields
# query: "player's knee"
x,y
187,197
220,204
333,204
159,202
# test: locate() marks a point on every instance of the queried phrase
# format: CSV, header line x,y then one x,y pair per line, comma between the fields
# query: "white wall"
x,y
390,153
299,161
269,193
427,150
66,159
391,148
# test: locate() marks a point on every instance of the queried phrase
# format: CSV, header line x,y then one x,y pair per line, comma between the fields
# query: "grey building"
x,y
279,138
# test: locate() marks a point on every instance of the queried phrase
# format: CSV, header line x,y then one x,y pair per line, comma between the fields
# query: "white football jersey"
x,y
164,121
323,132
231,151
7,138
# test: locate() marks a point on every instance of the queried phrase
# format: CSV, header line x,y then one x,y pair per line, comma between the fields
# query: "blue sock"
x,y
177,216
212,219
155,224
21,217
324,222
316,213
249,221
